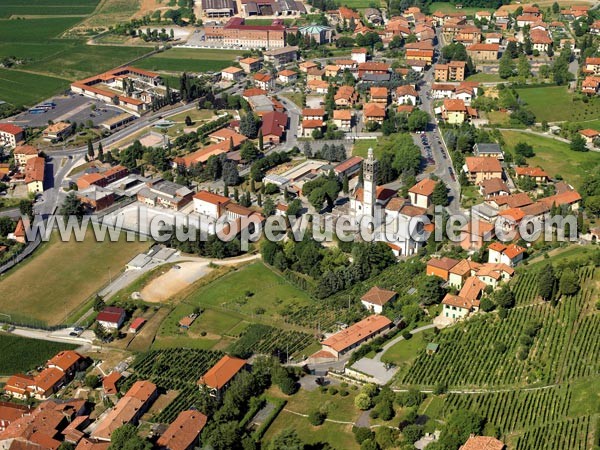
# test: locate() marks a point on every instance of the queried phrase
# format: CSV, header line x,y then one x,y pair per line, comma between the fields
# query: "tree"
x,y
418,120
555,8
578,143
72,206
7,225
92,381
261,144
504,298
268,207
66,446
249,125
26,208
90,150
546,282
363,401
440,194
100,151
287,439
345,184
459,426
316,417
506,67
369,444
294,208
569,282
525,150
188,121
430,290
249,152
127,438
523,67
412,433
98,304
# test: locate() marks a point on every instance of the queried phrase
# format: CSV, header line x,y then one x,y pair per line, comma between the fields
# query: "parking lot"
x,y
74,108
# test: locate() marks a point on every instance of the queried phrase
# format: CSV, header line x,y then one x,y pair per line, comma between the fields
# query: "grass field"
x,y
60,276
484,77
189,60
19,354
34,30
405,351
22,88
111,12
338,408
47,8
361,4
571,110
361,146
555,157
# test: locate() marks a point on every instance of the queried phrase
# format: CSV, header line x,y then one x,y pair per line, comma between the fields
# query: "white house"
x,y
209,204
420,193
111,317
456,307
376,298
406,95
510,255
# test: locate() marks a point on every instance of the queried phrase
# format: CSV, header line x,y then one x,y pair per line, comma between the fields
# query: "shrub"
x,y
361,434
333,390
363,401
344,393
406,335
317,418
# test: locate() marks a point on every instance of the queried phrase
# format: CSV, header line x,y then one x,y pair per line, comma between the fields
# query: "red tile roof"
x,y
423,187
137,323
443,263
483,164
184,431
378,296
482,443
34,169
110,314
222,372
357,332
10,128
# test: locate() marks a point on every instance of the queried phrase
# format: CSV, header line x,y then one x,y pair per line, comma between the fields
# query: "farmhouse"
x,y
456,307
375,299
68,361
111,317
510,254
10,135
218,378
350,338
538,174
109,383
589,135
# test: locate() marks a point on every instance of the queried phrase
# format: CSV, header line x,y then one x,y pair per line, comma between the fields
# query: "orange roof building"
x,y
350,338
483,443
376,298
217,379
109,383
183,433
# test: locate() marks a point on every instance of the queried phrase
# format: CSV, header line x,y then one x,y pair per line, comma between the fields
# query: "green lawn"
x,y
555,157
35,30
565,107
189,60
360,4
22,88
593,124
484,77
361,146
405,351
19,354
60,276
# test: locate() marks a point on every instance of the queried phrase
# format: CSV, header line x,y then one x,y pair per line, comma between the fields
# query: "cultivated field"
x,y
446,7
189,60
10,8
537,99
19,354
109,13
60,276
23,88
555,157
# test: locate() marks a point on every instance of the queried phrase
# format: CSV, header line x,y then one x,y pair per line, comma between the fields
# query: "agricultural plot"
x,y
574,434
22,88
571,108
34,30
47,8
19,354
79,269
555,157
564,348
266,340
174,369
189,60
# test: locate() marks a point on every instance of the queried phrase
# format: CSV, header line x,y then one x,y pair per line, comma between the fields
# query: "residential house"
x,y
348,339
494,274
315,74
442,90
527,19
165,194
483,52
111,317
349,167
308,126
374,112
232,74
342,118
420,194
57,131
590,85
483,443
538,174
307,65
129,409
454,111
346,96
510,254
493,187
34,174
373,68
332,71
452,71
218,378
589,135
11,135
541,40
406,95
23,153
281,56
287,76
109,383
250,65
483,15
273,127
493,38
456,307
480,168
376,298
440,267
592,65
264,81
184,432
492,150
359,55
318,86
379,94
425,55
69,362
476,234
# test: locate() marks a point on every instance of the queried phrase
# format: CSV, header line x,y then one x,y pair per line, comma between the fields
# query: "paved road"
x,y
437,144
